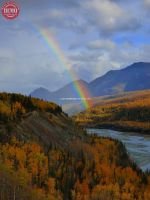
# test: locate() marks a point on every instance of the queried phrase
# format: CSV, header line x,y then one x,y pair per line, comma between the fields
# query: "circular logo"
x,y
10,10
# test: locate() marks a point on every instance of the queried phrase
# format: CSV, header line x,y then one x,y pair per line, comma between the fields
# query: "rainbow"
x,y
82,91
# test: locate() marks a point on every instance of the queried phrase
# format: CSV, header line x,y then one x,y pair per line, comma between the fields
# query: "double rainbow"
x,y
82,91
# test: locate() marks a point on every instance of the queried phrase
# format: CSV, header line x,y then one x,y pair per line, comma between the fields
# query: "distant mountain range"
x,y
132,78
60,96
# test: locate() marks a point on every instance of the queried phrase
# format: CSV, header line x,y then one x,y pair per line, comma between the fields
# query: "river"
x,y
137,145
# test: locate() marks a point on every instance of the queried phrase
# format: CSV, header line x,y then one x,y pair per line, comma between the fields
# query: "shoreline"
x,y
116,127
98,130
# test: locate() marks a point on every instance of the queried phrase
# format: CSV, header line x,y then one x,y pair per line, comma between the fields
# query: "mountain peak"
x,y
131,78
138,65
41,89
41,93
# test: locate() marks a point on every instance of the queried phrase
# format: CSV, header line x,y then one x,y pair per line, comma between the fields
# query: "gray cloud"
x,y
110,18
38,4
106,16
94,35
101,44
147,2
114,56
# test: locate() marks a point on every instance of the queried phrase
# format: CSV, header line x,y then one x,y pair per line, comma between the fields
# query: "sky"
x,y
95,36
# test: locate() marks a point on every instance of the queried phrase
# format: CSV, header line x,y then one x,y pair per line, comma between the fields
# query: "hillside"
x,y
128,112
33,119
45,156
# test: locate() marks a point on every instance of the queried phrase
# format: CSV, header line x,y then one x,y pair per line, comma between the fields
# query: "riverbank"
x,y
126,113
137,145
126,126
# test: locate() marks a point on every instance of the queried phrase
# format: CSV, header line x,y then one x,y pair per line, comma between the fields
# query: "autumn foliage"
x,y
14,106
96,169
127,113
83,168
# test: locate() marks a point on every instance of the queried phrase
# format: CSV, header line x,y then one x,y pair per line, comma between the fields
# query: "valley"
x,y
44,155
125,112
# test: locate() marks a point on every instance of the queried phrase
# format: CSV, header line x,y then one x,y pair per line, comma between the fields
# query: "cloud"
x,y
101,44
106,16
104,55
93,34
147,2
38,4
27,72
110,18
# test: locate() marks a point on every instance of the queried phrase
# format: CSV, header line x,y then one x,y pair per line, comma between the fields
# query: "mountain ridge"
x,y
131,78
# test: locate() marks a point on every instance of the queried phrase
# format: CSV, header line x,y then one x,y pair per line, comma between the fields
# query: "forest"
x,y
82,167
127,113
13,106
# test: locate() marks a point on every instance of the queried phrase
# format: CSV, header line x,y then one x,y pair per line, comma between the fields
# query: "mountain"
x,y
132,78
61,96
41,93
69,91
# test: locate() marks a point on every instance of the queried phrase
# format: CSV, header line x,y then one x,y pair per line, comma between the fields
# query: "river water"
x,y
137,145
